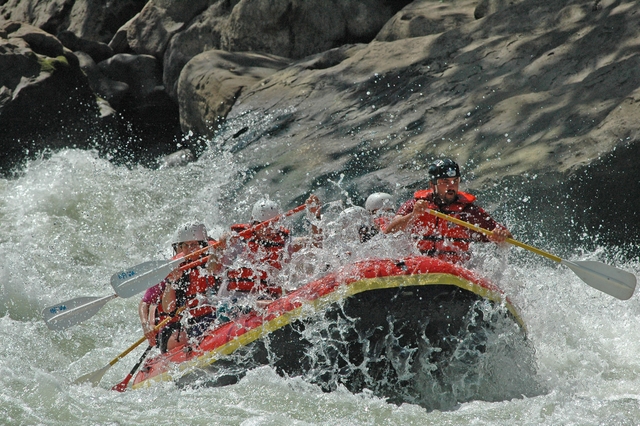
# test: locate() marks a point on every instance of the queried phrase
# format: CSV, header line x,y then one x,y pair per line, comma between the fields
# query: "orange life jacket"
x,y
382,222
160,314
448,241
195,283
264,250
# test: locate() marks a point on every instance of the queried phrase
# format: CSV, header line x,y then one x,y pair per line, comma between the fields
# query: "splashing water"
x,y
70,221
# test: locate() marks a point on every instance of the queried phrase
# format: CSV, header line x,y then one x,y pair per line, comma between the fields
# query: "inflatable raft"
x,y
376,324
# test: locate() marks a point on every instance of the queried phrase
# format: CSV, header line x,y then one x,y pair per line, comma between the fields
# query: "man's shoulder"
x,y
466,198
423,194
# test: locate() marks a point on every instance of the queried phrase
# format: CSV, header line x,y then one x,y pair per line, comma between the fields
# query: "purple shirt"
x,y
153,295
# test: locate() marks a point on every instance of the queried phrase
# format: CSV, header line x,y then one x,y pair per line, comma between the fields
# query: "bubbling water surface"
x,y
72,220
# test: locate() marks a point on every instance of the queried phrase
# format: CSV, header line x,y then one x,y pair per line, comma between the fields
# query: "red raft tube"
x,y
372,323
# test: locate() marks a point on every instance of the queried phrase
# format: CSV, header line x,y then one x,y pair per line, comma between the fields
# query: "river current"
x,y
71,220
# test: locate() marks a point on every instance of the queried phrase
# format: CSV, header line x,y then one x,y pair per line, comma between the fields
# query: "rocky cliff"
x,y
539,97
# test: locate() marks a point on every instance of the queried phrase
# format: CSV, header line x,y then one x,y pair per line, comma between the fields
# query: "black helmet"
x,y
443,168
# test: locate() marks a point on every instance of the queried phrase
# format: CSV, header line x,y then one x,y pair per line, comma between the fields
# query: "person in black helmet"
x,y
438,237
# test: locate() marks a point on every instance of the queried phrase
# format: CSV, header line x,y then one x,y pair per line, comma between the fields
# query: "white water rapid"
x,y
72,220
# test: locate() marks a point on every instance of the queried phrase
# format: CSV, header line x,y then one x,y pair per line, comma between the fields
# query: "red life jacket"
x,y
160,312
448,241
264,250
195,283
382,222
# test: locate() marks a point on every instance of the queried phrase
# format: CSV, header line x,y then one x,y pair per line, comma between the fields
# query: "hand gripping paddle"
x,y
608,279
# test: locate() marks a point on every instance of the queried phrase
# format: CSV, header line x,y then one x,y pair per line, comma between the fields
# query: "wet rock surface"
x,y
354,96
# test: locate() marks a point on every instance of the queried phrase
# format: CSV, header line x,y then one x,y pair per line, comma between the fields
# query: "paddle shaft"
x,y
95,376
122,386
490,233
156,329
129,282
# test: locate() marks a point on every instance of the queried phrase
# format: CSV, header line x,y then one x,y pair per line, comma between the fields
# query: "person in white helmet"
x,y
356,223
150,306
189,289
264,210
380,206
247,264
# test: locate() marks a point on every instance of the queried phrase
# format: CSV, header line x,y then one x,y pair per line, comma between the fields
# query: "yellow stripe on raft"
x,y
310,307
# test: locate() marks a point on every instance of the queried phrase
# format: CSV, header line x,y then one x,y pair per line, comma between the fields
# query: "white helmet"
x,y
353,215
264,209
378,201
190,232
356,222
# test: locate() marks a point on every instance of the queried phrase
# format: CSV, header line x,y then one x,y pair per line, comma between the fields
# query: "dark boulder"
x,y
97,50
94,20
46,101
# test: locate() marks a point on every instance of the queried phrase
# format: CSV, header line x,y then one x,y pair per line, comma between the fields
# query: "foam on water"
x,y
72,220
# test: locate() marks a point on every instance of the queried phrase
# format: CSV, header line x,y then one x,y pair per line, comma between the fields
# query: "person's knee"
x,y
178,338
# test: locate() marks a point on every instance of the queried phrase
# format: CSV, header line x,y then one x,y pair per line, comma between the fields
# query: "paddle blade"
x,y
74,311
606,278
93,377
140,277
122,386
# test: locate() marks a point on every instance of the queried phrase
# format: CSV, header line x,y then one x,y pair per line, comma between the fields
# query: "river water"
x,y
72,220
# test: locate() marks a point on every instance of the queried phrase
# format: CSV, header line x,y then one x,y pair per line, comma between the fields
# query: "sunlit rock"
x,y
287,28
158,21
203,33
212,81
505,95
425,17
177,159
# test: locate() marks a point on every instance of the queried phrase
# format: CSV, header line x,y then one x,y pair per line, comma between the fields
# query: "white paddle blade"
x,y
606,278
140,277
93,377
74,311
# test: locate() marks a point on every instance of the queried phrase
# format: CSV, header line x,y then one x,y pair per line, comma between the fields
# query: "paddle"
x,y
71,312
95,376
150,273
130,282
74,311
606,278
122,386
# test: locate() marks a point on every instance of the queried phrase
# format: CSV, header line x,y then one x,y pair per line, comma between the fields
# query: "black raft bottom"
x,y
434,345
